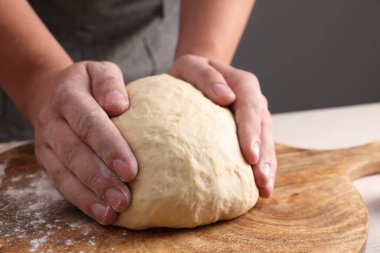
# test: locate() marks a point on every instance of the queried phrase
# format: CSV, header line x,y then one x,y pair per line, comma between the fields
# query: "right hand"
x,y
77,143
240,90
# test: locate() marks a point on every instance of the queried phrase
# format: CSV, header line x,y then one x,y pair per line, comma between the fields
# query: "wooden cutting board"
x,y
315,208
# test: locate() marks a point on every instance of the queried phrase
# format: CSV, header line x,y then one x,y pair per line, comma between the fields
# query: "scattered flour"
x,y
26,207
28,210
92,241
41,187
36,243
2,171
16,179
76,224
34,199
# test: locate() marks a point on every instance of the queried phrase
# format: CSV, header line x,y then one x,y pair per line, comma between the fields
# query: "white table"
x,y
334,128
330,129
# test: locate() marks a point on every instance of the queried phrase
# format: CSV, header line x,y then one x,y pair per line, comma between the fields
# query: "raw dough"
x,y
191,170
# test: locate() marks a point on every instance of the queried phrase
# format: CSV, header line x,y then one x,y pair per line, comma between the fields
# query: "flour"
x,y
16,179
41,187
92,241
76,224
36,243
2,171
27,201
34,199
31,212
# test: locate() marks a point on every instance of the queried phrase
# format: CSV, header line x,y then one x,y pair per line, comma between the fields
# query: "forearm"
x,y
26,49
212,28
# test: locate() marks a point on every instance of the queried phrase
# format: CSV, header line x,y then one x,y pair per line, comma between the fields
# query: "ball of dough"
x,y
191,170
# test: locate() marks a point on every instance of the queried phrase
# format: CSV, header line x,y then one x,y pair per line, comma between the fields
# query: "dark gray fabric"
x,y
138,35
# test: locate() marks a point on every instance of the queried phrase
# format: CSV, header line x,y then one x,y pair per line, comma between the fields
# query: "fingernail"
x,y
115,98
100,211
124,171
116,199
220,90
256,151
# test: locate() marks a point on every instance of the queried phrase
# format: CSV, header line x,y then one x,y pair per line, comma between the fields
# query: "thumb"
x,y
197,71
108,88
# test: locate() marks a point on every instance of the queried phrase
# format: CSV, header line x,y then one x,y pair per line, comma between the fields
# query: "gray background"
x,y
312,54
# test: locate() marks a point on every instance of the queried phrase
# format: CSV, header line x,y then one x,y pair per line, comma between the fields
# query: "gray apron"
x,y
140,36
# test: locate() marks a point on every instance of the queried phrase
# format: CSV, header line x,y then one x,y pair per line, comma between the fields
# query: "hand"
x,y
77,143
228,86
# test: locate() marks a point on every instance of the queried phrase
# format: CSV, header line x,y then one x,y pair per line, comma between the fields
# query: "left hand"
x,y
228,86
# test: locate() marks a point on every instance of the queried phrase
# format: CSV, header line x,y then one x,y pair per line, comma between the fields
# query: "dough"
x,y
191,170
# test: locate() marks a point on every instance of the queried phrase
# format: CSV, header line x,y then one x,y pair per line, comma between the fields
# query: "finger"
x,y
74,191
265,169
248,108
248,128
198,72
108,87
95,128
87,166
229,73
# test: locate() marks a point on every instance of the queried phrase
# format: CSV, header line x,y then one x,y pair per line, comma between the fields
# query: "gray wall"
x,y
313,54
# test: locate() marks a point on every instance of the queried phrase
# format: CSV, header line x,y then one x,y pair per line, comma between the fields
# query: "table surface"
x,y
330,128
335,128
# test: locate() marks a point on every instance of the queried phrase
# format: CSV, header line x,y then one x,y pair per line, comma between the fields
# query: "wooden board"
x,y
315,208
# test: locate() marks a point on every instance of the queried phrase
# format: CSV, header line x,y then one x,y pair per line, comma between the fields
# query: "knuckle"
x,y
107,75
249,79
86,124
268,125
249,113
253,77
111,70
273,168
256,106
96,182
100,178
96,66
42,120
210,75
274,164
104,67
108,80
70,151
64,95
187,58
259,108
38,149
267,119
81,198
109,65
264,102
44,132
249,76
56,177
78,199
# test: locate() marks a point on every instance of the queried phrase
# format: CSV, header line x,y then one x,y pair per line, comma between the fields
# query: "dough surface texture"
x,y
191,170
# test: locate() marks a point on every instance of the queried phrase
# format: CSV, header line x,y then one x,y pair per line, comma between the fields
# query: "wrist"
x,y
39,90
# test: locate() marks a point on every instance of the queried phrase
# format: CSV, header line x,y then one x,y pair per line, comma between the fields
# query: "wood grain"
x,y
315,208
